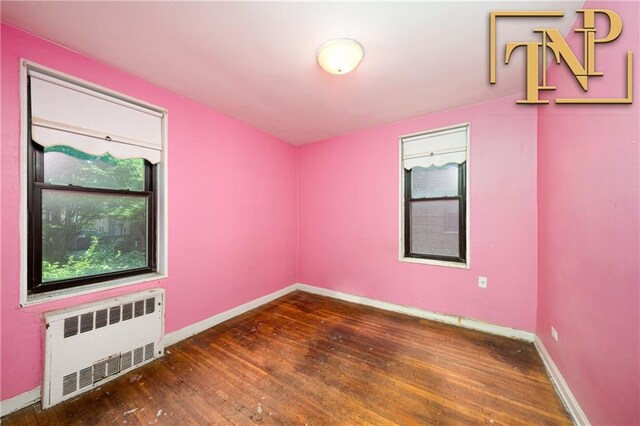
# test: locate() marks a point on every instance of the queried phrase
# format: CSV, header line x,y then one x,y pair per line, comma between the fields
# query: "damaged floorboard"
x,y
308,359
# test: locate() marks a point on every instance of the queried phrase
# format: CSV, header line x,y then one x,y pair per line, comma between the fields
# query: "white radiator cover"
x,y
87,345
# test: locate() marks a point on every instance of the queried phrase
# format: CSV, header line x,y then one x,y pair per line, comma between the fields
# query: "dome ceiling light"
x,y
340,55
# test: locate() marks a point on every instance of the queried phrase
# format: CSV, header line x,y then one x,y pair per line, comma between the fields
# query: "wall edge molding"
x,y
562,388
25,399
18,402
200,326
421,313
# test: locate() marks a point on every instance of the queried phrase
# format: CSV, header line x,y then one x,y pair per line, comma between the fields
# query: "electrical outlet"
x,y
554,334
482,282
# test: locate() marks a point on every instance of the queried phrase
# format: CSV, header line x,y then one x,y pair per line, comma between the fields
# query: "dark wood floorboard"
x,y
308,359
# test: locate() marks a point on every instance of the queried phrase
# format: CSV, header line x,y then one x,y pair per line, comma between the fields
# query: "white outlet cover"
x,y
482,282
554,334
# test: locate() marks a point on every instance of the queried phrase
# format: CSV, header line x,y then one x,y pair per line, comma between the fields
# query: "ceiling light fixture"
x,y
340,55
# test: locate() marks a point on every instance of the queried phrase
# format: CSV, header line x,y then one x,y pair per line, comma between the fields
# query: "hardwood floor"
x,y
307,359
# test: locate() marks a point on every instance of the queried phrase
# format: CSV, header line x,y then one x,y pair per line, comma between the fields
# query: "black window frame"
x,y
462,219
35,186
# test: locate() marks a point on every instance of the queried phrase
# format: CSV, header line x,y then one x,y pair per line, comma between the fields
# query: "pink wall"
x,y
588,248
348,212
554,227
232,212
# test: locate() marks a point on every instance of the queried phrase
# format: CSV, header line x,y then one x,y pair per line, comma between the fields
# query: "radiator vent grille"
x,y
105,368
138,355
126,360
69,384
104,317
127,311
113,365
86,377
148,351
139,308
86,322
114,315
99,371
150,305
70,327
101,318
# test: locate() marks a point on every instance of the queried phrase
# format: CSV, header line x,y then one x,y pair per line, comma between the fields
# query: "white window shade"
x,y
435,149
63,113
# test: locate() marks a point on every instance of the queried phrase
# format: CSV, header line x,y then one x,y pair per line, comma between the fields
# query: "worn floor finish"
x,y
307,359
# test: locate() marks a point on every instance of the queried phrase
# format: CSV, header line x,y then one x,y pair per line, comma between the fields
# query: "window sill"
x,y
434,262
37,299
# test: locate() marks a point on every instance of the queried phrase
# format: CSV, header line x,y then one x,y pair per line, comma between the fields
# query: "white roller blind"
x,y
63,113
435,149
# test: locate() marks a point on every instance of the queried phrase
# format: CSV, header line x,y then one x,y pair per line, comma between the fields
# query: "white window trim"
x,y
163,196
434,262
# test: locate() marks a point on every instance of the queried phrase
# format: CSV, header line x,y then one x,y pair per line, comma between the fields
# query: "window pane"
x,y
87,234
64,165
435,227
434,181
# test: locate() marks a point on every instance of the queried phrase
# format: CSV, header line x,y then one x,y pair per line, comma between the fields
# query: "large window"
x,y
92,180
92,218
434,205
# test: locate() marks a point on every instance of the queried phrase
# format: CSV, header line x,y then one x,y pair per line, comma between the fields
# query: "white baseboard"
x,y
190,330
579,417
18,402
416,312
23,400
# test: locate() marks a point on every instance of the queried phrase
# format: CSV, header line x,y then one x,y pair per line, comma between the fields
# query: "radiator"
x,y
87,345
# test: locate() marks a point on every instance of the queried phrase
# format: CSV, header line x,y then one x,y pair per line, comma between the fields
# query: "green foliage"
x,y
72,219
99,258
77,168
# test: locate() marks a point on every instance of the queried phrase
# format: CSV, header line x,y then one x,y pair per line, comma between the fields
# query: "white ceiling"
x,y
256,60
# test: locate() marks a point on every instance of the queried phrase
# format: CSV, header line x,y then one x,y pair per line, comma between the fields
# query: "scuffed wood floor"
x,y
307,359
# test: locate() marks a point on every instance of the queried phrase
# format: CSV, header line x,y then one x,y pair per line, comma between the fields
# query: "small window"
x,y
434,188
92,185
